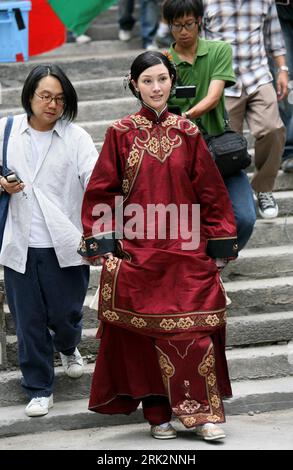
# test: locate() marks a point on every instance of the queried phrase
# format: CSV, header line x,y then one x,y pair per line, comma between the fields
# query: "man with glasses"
x,y
45,279
208,65
253,29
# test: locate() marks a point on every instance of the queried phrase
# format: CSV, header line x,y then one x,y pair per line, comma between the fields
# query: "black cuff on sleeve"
x,y
97,245
222,248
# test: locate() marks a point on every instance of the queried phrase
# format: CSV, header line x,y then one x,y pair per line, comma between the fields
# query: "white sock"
x,y
164,425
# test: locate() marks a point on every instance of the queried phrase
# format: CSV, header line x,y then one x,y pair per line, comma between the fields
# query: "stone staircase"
x,y
260,282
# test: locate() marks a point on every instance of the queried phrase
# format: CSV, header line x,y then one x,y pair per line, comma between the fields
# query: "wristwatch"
x,y
283,68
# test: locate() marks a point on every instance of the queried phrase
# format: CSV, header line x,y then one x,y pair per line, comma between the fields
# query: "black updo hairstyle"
x,y
144,61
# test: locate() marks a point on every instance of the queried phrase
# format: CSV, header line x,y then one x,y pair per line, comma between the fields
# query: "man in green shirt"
x,y
208,65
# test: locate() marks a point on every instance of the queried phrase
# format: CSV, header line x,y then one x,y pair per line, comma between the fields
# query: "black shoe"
x,y
287,165
267,206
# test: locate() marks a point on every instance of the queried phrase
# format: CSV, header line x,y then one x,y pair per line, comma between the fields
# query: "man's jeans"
x,y
241,196
286,106
149,18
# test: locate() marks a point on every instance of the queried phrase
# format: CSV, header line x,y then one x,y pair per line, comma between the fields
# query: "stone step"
x,y
245,330
262,362
259,296
275,232
251,395
112,62
263,262
101,32
97,110
87,90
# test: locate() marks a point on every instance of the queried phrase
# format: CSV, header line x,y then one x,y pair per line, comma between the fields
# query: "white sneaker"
x,y
83,39
210,432
73,364
151,47
39,406
267,206
124,35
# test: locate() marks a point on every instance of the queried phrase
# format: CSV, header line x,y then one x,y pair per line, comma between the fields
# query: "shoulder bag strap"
x,y
5,143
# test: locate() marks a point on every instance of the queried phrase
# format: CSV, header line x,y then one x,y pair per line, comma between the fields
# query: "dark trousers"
x,y
46,303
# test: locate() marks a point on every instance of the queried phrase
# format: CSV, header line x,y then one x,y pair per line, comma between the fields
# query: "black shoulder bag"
x,y
229,149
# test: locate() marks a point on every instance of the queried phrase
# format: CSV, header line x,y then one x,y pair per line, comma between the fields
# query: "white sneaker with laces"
x,y
124,35
73,364
39,406
267,206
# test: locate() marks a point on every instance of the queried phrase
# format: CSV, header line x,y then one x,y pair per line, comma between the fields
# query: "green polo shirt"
x,y
213,61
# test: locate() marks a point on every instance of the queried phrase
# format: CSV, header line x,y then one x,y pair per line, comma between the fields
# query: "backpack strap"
x,y
7,131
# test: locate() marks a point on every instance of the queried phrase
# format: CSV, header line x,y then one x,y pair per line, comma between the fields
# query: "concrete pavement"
x,y
263,431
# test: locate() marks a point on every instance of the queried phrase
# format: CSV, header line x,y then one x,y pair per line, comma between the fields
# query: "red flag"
x,y
46,31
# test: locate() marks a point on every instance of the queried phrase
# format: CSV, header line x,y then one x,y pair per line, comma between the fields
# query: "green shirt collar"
x,y
202,49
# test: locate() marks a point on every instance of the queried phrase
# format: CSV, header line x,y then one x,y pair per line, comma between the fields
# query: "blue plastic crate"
x,y
14,23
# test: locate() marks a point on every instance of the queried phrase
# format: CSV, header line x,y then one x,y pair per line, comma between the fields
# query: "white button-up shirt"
x,y
58,185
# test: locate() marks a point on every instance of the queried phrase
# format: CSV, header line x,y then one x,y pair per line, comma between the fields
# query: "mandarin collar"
x,y
152,114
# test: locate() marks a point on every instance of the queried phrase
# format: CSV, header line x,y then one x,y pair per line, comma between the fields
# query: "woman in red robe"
x,y
162,306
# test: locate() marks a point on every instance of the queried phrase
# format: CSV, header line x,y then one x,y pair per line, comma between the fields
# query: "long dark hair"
x,y
144,61
31,83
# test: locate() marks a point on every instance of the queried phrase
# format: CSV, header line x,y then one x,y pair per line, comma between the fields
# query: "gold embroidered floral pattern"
x,y
189,406
212,320
215,401
213,418
153,145
111,316
125,186
185,323
111,264
138,322
207,369
189,421
212,379
168,324
170,121
106,292
210,361
166,366
94,246
203,369
133,157
166,144
141,120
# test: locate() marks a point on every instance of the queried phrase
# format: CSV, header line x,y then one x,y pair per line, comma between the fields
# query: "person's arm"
x,y
275,46
212,99
98,208
217,217
282,77
87,157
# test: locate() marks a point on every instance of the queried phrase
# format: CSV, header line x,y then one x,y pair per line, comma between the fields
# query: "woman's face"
x,y
46,113
154,85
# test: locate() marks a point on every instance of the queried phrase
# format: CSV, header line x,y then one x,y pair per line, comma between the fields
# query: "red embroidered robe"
x,y
153,287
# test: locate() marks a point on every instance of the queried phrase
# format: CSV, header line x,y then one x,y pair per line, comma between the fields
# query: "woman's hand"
x,y
99,261
11,188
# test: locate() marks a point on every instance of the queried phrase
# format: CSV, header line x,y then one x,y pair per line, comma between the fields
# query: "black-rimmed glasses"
x,y
177,27
59,100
